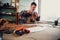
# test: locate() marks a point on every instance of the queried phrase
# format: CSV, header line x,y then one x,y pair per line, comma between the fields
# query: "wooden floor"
x,y
49,33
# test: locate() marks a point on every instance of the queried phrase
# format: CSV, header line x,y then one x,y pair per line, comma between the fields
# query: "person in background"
x,y
30,15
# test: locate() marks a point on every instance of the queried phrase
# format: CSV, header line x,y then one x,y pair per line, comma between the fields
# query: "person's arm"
x,y
34,16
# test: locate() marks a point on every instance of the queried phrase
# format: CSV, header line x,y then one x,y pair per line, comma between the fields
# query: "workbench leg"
x,y
1,35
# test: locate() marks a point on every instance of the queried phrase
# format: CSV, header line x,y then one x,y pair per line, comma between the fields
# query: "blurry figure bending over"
x,y
29,16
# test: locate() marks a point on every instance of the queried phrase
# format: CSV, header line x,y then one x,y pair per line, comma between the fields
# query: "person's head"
x,y
33,6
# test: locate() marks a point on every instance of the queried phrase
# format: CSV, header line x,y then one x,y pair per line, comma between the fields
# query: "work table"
x,y
49,33
46,34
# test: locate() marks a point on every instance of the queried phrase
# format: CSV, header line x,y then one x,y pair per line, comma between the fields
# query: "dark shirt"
x,y
24,15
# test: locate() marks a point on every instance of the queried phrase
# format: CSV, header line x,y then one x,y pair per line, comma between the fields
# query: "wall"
x,y
24,4
6,1
50,10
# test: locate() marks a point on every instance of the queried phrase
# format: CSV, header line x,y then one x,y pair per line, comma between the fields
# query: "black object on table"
x,y
56,22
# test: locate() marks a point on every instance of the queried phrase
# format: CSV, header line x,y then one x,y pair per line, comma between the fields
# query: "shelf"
x,y
10,7
7,14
